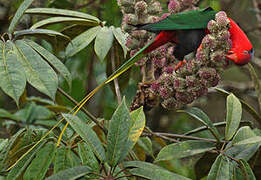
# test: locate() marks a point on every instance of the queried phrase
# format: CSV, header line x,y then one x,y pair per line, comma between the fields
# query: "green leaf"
x,y
87,157
19,13
82,41
38,72
151,171
53,60
118,134
242,134
12,75
252,140
87,134
55,20
40,163
184,149
33,32
61,12
121,38
245,105
19,168
71,174
61,161
220,169
247,171
256,81
136,128
233,118
199,115
103,42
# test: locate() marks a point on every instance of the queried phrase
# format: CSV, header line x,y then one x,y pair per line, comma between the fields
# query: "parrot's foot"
x,y
180,64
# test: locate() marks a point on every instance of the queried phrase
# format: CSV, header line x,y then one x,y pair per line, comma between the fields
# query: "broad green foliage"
x,y
220,169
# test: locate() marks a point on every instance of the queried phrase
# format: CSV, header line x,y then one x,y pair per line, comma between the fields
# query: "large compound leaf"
x,y
87,134
71,20
118,134
40,163
38,72
71,174
151,171
81,41
53,60
37,32
199,115
184,149
19,13
220,169
103,42
233,118
61,12
13,80
121,38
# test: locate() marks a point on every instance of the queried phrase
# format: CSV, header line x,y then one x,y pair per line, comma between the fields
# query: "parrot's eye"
x,y
245,52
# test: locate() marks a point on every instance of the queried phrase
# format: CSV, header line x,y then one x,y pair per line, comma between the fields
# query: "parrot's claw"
x,y
180,64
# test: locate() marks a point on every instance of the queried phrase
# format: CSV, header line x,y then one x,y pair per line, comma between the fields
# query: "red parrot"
x,y
187,29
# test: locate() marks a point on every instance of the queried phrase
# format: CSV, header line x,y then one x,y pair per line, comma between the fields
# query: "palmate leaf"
x,y
103,42
19,13
71,20
81,41
121,38
12,76
53,60
38,72
61,12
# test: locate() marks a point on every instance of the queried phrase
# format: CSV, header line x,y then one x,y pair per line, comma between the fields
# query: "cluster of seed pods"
x,y
175,89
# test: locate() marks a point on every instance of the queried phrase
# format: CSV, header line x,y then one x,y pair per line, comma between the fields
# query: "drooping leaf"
x,y
121,38
53,60
38,72
247,171
136,128
35,32
146,144
203,118
233,118
184,149
82,41
19,13
87,134
61,161
151,171
118,134
256,81
71,174
12,75
245,105
87,157
40,164
61,12
19,168
220,169
103,42
55,20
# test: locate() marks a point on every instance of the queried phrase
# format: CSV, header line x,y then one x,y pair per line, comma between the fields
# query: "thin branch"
x,y
116,83
256,8
84,110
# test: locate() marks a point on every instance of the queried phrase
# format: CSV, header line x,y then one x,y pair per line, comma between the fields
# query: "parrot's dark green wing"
x,y
194,19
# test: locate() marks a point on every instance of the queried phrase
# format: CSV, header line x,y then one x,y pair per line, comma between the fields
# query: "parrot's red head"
x,y
242,50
